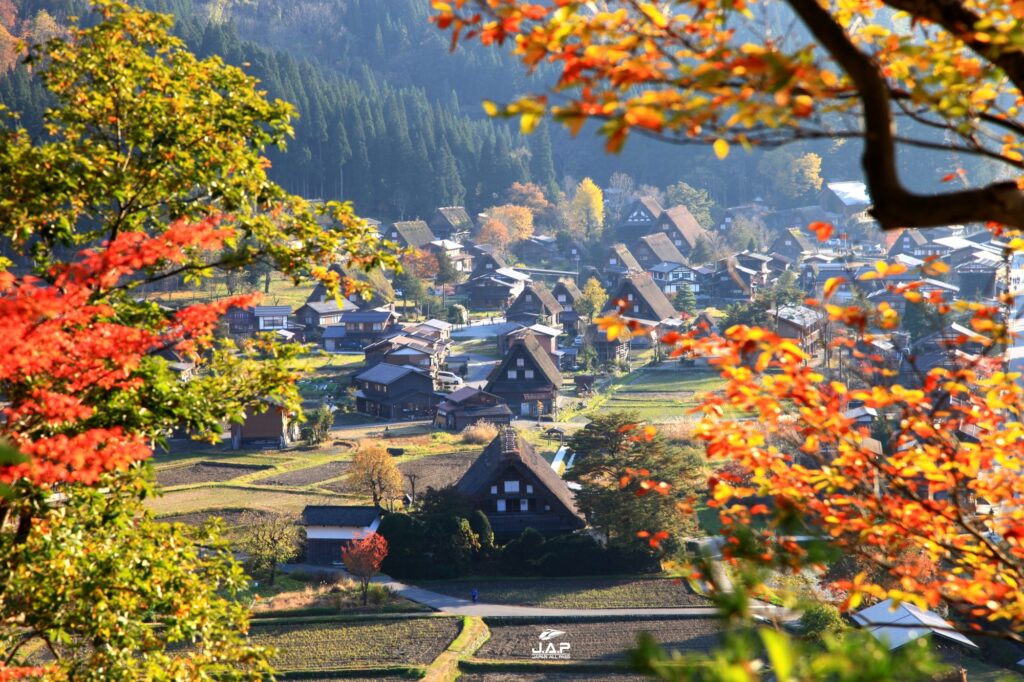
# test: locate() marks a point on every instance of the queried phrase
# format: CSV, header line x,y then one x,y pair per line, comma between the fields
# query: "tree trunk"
x,y
366,591
273,571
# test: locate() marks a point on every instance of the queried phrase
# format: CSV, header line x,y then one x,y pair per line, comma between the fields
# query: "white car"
x,y
448,379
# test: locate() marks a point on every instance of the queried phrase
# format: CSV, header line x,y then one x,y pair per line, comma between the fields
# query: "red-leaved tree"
x,y
363,558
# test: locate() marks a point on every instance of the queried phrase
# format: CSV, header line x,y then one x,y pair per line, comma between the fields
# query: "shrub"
x,y
379,595
819,619
480,433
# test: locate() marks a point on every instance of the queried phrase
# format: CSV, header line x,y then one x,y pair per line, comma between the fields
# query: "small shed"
x,y
897,625
331,527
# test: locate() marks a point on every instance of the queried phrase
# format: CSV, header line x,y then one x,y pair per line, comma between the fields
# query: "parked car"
x,y
449,379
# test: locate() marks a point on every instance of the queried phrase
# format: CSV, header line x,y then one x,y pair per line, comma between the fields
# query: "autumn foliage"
x,y
363,557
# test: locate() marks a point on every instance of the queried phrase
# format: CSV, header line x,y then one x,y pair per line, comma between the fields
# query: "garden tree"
x,y
613,451
161,135
318,425
518,220
410,285
267,542
685,300
374,473
422,265
363,558
82,428
789,173
457,314
745,232
593,299
446,272
699,202
702,252
495,233
481,526
587,211
532,196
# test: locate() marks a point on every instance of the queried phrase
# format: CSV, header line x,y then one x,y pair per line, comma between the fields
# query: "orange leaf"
x,y
821,229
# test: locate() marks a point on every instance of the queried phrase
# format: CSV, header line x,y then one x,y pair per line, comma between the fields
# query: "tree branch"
x,y
894,206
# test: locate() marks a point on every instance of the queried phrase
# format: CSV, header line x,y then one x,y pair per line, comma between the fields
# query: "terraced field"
x,y
604,641
203,472
575,593
332,645
306,476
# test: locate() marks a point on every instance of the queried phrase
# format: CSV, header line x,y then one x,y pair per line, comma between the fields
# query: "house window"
x,y
636,309
520,362
612,261
524,505
529,297
547,507
561,298
501,506
629,297
528,374
529,488
511,374
494,490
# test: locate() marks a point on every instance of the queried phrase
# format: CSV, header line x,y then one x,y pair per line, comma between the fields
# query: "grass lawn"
x,y
569,593
331,645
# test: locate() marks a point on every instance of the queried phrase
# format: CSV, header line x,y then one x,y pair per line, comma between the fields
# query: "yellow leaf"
x,y
721,148
654,14
490,108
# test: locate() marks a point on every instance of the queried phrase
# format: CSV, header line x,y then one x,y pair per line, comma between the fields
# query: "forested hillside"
x,y
391,120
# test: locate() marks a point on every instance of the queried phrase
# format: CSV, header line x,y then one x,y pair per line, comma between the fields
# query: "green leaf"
x,y
780,653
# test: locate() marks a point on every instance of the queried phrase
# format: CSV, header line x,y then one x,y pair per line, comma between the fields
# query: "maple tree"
x,y
518,220
363,557
495,233
723,73
85,570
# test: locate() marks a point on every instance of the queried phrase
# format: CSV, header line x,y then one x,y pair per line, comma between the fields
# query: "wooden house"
x,y
682,229
619,262
367,326
915,242
395,392
567,294
331,527
435,330
792,245
491,292
517,489
467,406
639,298
321,314
273,317
671,276
527,379
487,264
407,350
241,321
267,424
800,323
638,217
652,249
845,197
538,248
534,305
460,259
546,336
451,222
414,234
613,351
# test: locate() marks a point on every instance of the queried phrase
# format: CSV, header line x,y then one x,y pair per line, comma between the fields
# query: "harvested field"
x,y
307,476
230,517
437,471
551,677
606,640
576,593
203,472
332,645
213,498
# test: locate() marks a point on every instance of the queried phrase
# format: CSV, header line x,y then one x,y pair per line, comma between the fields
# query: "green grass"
x,y
569,593
332,645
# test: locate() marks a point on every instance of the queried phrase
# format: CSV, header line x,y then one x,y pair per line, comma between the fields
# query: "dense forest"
x,y
390,118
